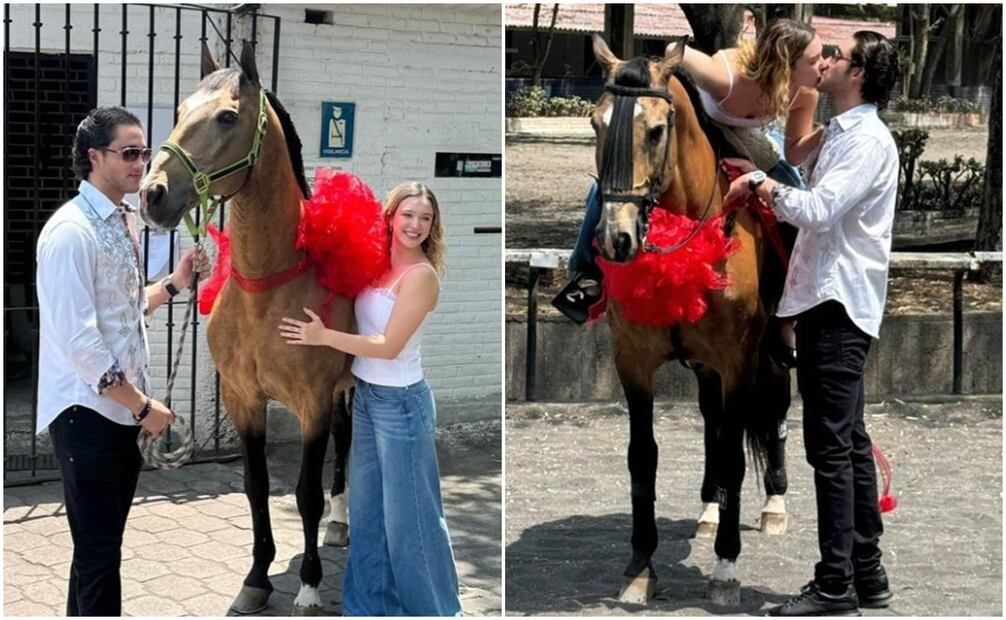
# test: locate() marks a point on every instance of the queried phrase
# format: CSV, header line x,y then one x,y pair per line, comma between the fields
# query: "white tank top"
x,y
715,108
373,309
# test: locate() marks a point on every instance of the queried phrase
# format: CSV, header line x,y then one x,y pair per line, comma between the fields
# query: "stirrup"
x,y
576,298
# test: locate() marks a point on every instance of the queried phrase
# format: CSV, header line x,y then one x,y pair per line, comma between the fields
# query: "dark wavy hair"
x,y
96,132
879,60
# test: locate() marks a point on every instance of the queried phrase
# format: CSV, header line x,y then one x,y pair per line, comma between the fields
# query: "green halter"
x,y
203,181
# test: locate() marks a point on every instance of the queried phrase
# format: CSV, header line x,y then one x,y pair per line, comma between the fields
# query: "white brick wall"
x,y
424,79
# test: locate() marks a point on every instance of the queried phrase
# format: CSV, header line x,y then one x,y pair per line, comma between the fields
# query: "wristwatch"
x,y
170,287
757,178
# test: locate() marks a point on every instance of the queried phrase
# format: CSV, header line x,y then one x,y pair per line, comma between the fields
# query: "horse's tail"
x,y
765,429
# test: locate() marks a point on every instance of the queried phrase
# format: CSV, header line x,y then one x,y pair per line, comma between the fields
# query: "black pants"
x,y
100,463
831,354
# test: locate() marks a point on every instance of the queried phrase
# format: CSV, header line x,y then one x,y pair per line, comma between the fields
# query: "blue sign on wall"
x,y
337,129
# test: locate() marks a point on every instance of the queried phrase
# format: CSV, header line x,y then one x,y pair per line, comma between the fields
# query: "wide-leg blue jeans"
x,y
400,557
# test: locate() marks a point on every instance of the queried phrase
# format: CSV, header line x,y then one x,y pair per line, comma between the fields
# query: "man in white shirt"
x,y
836,288
93,370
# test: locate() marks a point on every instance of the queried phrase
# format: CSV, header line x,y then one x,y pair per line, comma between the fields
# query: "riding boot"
x,y
583,291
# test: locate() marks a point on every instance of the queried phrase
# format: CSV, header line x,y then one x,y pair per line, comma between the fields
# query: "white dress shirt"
x,y
844,218
91,300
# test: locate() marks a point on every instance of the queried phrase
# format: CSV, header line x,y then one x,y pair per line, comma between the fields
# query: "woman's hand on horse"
x,y
744,165
192,258
300,332
159,418
739,189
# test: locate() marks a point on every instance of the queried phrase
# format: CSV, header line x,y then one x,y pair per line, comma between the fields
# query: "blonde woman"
x,y
744,90
400,561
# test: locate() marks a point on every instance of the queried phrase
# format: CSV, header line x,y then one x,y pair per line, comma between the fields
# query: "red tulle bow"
x,y
663,289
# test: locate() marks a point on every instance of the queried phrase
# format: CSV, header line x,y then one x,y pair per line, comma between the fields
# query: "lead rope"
x,y
148,443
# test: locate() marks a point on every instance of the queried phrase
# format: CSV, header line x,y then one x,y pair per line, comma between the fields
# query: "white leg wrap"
x,y
340,508
725,570
307,597
710,513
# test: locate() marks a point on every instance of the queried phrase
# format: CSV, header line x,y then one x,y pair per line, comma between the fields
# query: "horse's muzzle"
x,y
156,207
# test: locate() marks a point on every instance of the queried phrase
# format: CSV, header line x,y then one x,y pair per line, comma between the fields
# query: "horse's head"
x,y
218,135
634,123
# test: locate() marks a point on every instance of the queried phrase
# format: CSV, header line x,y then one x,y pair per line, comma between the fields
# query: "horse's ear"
x,y
672,59
209,63
248,66
605,56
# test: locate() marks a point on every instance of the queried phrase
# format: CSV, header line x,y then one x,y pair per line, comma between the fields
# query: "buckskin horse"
x,y
653,153
233,127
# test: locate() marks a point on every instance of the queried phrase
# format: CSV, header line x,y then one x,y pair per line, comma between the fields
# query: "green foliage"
x,y
533,101
935,185
941,105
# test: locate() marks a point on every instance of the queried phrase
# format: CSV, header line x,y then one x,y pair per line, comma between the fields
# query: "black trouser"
x,y
831,353
100,463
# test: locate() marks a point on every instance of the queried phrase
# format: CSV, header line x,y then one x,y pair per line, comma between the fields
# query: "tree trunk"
x,y
618,26
990,220
936,51
920,45
714,26
539,53
955,52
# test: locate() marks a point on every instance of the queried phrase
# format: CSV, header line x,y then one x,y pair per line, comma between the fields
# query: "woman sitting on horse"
x,y
400,561
744,90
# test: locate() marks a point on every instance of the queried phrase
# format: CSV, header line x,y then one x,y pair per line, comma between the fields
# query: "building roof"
x,y
663,20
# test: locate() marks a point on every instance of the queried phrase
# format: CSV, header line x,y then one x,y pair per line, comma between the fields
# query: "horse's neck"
x,y
693,170
265,214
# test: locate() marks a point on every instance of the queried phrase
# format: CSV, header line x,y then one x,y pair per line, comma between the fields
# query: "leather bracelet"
x,y
170,287
144,412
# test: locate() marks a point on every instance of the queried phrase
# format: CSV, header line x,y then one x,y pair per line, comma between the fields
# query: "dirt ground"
x,y
565,554
547,178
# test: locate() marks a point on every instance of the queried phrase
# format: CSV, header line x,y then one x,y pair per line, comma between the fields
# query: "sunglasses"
x,y
834,54
131,153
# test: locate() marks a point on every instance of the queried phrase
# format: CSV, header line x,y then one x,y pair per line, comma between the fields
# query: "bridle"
x,y
202,181
648,201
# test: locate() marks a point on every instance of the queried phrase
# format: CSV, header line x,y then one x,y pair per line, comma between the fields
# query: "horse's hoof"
x,y
306,610
706,530
251,600
773,516
709,521
337,534
725,593
773,523
638,590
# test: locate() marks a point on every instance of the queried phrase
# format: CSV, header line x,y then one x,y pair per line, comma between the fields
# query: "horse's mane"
x,y
293,144
231,78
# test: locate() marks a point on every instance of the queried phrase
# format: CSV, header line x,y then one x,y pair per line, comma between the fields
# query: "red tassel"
x,y
663,289
887,501
221,271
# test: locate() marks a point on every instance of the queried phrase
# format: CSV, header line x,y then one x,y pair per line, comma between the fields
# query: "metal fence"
x,y
48,89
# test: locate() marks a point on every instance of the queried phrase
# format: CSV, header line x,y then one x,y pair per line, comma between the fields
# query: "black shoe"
x,y
872,589
576,298
813,602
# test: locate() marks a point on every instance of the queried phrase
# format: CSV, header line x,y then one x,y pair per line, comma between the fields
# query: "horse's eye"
x,y
654,134
227,117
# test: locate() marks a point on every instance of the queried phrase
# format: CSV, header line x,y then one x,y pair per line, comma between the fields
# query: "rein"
x,y
651,199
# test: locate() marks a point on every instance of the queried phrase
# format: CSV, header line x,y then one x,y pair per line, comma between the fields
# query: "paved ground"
x,y
188,540
569,519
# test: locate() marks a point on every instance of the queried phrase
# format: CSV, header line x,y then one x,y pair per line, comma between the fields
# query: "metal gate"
x,y
51,81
